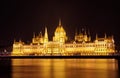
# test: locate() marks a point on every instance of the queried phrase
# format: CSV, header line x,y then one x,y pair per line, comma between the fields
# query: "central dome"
x,y
60,34
60,28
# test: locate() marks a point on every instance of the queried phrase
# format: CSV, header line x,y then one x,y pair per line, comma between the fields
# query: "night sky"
x,y
20,18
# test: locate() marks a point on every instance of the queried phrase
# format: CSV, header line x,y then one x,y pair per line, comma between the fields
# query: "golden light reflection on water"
x,y
64,68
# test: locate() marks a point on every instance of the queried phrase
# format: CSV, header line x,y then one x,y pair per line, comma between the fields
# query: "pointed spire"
x,y
40,34
89,38
33,34
46,35
14,40
82,29
96,36
105,36
20,40
59,22
112,38
89,35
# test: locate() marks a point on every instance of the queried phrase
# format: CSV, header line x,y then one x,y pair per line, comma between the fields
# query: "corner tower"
x,y
46,36
83,36
60,34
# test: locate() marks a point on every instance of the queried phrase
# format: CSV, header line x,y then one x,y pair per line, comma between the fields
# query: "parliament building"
x,y
81,45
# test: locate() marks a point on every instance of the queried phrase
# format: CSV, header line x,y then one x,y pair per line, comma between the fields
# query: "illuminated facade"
x,y
60,34
82,44
82,36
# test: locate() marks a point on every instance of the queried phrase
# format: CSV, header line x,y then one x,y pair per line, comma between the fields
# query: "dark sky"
x,y
20,18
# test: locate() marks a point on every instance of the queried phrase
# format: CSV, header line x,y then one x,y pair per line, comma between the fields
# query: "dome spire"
x,y
105,36
96,36
59,22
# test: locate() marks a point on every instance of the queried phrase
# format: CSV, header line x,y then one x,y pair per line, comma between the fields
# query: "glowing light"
x,y
82,44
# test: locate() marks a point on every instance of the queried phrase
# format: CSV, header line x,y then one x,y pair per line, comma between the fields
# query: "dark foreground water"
x,y
59,68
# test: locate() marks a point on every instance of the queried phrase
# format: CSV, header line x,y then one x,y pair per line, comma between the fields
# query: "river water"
x,y
59,68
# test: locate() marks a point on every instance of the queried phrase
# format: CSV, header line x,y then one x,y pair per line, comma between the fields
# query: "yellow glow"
x,y
82,45
62,68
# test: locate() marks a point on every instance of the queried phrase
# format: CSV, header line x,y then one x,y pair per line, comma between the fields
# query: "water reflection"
x,y
59,68
93,68
65,68
42,68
